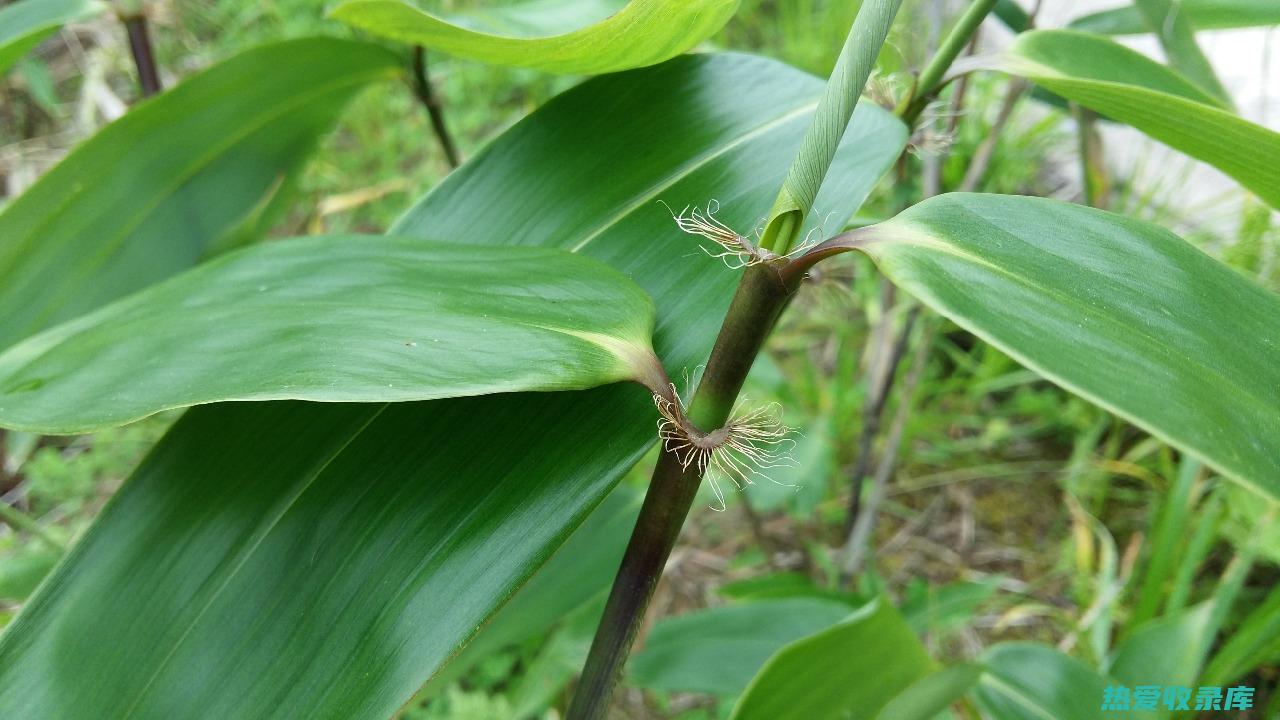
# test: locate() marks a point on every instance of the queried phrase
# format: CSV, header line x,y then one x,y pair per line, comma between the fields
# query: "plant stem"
x,y
981,160
855,550
930,80
880,374
143,56
760,297
818,149
1093,170
422,88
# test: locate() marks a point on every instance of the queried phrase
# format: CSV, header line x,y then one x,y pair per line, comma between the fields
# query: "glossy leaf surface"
x,y
644,32
362,545
1127,87
335,319
1202,14
931,695
1119,311
149,194
24,24
853,668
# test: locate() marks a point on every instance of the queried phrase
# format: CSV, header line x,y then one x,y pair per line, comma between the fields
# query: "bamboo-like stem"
x,y
760,298
930,80
144,58
435,109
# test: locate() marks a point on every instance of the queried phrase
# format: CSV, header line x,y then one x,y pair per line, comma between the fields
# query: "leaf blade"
x,y
334,319
152,192
1119,311
23,25
645,32
1125,86
412,527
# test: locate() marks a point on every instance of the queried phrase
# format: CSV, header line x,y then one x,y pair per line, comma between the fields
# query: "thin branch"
x,y
880,376
143,56
932,77
981,160
855,550
422,88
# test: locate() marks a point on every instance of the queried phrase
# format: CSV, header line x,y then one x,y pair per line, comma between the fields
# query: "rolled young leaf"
x,y
149,194
1127,87
336,319
24,24
363,544
1117,310
645,32
1202,14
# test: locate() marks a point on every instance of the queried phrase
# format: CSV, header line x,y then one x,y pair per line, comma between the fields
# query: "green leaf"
x,y
856,666
1256,641
1119,311
1178,39
1202,14
1127,87
1026,680
931,695
1168,650
335,319
575,579
645,32
24,24
362,545
148,195
718,651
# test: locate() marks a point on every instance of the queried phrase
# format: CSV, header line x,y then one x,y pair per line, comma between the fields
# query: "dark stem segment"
x,y
422,88
760,297
882,380
143,56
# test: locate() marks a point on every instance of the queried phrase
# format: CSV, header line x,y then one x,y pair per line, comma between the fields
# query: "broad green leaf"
x,y
1202,14
645,32
1127,87
1168,650
335,319
931,695
149,194
1119,311
853,668
575,579
25,23
1026,680
717,651
363,545
1178,39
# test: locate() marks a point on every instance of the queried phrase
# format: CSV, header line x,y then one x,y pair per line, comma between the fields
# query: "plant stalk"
x,y
422,88
760,298
931,78
143,56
